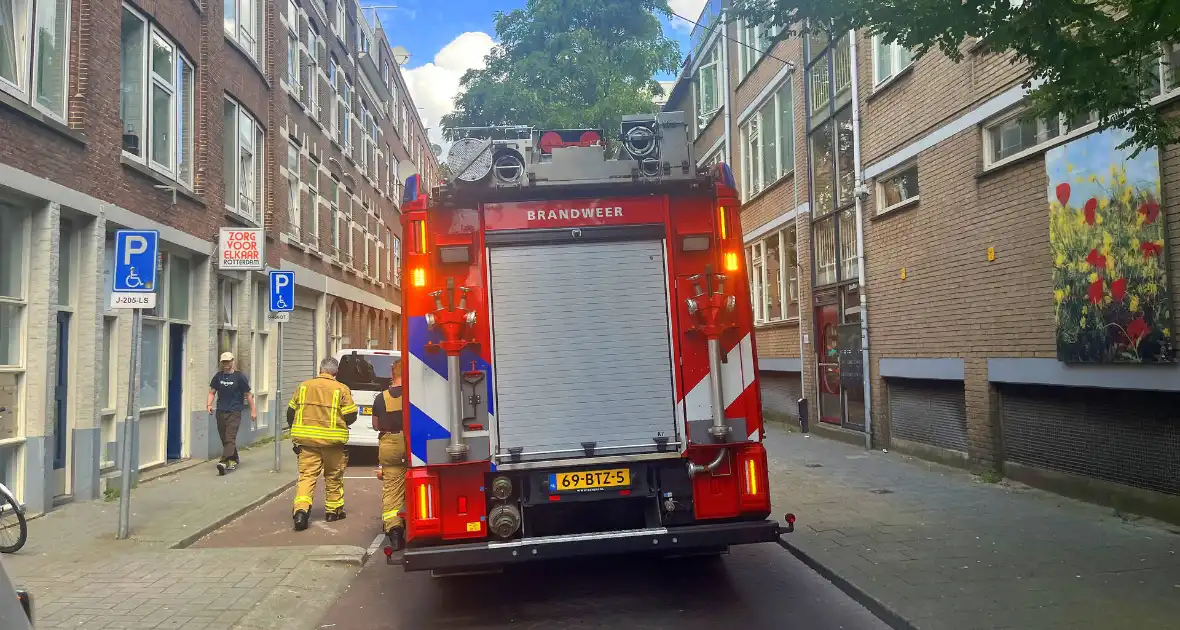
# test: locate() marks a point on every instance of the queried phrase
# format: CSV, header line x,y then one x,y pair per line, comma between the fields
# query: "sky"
x,y
445,39
1075,161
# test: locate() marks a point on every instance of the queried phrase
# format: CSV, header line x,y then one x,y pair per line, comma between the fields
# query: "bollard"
x,y
803,415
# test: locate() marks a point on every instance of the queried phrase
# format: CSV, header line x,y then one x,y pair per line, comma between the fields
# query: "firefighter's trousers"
x,y
391,452
314,460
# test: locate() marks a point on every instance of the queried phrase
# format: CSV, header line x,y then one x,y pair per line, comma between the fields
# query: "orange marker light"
x,y
751,477
731,261
722,224
418,277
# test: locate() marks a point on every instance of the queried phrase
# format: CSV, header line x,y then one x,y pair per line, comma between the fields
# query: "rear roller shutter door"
x,y
582,348
929,412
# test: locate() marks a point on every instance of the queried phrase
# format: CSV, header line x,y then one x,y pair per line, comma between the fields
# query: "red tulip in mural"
x,y
1106,230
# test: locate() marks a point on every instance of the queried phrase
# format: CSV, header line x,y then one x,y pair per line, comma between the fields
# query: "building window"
x,y
396,249
707,86
336,330
334,212
243,156
774,283
178,288
768,143
227,316
260,346
1015,136
157,96
889,59
34,52
314,44
338,20
293,63
754,41
293,214
14,251
897,189
313,200
110,349
344,111
151,366
243,24
825,251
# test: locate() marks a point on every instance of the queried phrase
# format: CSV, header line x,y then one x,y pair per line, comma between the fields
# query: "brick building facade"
x,y
184,117
954,286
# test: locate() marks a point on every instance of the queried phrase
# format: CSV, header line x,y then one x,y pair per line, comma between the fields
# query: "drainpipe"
x,y
724,41
860,193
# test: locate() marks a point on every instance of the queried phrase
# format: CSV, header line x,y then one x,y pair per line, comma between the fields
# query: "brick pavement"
x,y
82,578
935,547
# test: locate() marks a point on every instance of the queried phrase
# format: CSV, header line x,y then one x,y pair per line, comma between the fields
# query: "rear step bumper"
x,y
660,540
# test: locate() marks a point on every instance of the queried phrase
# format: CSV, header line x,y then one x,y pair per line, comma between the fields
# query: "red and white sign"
x,y
574,213
241,248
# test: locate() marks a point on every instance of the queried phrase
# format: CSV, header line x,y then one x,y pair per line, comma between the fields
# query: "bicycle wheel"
x,y
14,530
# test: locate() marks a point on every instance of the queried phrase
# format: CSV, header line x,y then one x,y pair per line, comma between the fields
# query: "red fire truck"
x,y
579,353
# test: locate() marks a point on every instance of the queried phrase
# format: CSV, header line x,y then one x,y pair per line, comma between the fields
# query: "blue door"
x,y
61,391
175,389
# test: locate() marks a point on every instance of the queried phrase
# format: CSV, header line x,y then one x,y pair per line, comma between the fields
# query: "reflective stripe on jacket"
x,y
320,405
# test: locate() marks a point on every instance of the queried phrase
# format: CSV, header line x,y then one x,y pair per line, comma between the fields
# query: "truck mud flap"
x,y
657,540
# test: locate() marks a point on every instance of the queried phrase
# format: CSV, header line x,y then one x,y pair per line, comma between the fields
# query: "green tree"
x,y
1082,55
568,64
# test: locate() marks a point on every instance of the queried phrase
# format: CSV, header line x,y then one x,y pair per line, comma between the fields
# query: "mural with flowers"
x,y
1106,230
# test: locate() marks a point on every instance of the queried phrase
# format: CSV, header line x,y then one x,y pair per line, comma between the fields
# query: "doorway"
x,y
61,409
176,406
839,358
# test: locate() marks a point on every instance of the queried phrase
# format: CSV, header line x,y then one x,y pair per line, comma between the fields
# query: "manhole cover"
x,y
881,491
813,465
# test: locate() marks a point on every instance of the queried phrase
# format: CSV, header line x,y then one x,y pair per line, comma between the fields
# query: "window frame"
x,y
751,51
881,180
294,194
1065,133
28,53
788,277
711,62
748,156
260,373
252,40
182,110
896,68
258,155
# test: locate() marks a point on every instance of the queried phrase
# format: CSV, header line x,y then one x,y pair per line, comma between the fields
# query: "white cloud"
x,y
690,9
434,85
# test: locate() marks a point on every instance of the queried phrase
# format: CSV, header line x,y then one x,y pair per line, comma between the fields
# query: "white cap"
x,y
227,356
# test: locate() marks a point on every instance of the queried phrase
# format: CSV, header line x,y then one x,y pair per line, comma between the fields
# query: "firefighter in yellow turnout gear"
x,y
319,415
388,422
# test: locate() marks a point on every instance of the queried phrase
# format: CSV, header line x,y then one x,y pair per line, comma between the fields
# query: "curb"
x,y
343,554
880,609
187,541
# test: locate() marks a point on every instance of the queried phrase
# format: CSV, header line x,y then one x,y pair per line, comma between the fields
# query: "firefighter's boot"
x,y
335,515
397,538
301,520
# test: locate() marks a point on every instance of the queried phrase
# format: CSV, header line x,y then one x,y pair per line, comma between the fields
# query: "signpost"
x,y
136,256
282,302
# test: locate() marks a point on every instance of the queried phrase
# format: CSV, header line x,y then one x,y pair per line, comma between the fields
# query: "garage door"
x,y
929,412
581,347
298,351
781,392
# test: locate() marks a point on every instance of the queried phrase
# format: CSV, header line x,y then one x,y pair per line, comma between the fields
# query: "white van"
x,y
367,373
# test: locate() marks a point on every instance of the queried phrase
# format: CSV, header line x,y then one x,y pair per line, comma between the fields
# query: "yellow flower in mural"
x,y
1107,241
1103,203
1069,168
1094,277
1060,260
1092,179
1134,303
1059,295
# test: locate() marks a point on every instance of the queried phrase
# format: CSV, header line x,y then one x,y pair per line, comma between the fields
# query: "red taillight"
x,y
790,519
422,501
388,551
755,495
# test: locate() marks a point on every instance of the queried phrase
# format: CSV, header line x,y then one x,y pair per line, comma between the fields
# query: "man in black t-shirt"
x,y
231,388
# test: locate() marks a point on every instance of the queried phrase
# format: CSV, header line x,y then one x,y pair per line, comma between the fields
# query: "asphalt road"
x,y
755,587
270,525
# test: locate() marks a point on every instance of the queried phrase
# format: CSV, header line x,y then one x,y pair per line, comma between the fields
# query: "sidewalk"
x,y
932,547
82,577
